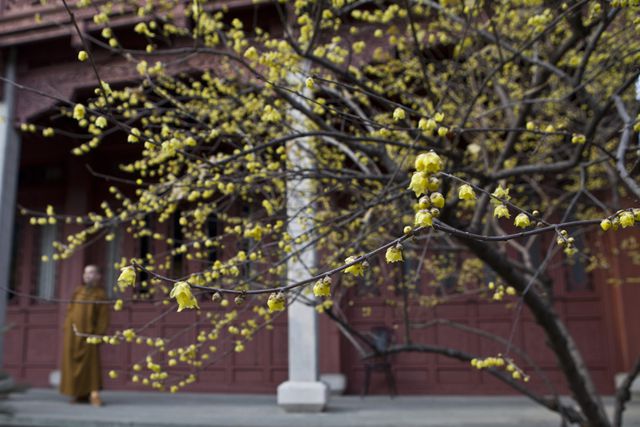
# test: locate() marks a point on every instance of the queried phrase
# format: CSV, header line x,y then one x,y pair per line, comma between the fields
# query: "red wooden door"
x,y
578,300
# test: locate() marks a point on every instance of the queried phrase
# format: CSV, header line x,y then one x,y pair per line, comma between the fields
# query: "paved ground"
x,y
41,407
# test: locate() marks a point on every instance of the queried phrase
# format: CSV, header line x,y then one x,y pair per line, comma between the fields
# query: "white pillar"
x,y
9,163
303,392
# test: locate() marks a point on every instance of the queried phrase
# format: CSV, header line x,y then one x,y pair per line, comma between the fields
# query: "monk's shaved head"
x,y
91,275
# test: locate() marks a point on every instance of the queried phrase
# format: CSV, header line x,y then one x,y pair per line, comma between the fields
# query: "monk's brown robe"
x,y
81,372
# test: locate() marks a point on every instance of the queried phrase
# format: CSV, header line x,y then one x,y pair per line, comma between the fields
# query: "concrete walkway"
x,y
40,407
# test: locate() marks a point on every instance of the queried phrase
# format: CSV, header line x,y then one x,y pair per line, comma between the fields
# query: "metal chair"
x,y
380,340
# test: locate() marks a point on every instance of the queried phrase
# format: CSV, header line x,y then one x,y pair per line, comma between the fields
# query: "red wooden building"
x,y
599,309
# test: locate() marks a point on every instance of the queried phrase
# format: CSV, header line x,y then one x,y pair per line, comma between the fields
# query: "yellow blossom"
x,y
501,211
466,192
500,193
270,114
626,219
398,114
424,219
101,122
129,334
419,183
127,278
322,288
251,53
182,293
113,374
605,224
79,112
355,269
276,302
428,162
309,83
82,56
427,124
394,254
118,305
522,220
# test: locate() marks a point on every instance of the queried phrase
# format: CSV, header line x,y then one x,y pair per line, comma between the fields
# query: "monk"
x,y
81,374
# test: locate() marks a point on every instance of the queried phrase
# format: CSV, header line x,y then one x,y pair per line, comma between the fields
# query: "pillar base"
x,y
303,396
337,382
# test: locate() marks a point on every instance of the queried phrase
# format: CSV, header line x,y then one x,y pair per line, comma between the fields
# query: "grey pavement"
x,y
42,407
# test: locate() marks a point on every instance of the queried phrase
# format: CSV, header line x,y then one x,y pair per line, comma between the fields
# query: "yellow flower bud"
x,y
398,114
437,199
578,139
